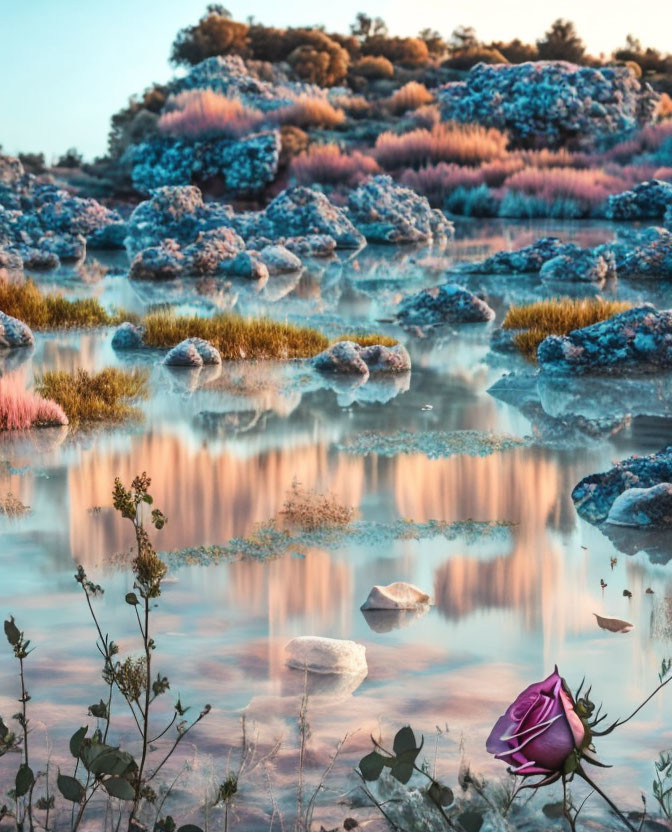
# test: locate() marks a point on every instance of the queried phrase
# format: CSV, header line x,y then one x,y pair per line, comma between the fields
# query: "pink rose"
x,y
539,730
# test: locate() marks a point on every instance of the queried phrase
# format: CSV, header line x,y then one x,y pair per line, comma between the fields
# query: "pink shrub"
x,y
326,163
21,409
467,144
307,111
647,140
409,97
437,181
587,187
195,113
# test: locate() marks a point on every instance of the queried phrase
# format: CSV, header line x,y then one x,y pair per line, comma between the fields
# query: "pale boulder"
x,y
326,655
396,596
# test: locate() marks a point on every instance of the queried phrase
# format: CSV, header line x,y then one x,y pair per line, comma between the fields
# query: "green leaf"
x,y
76,740
571,763
554,811
372,766
148,499
70,788
470,821
405,741
402,771
118,787
12,632
440,794
132,599
24,780
115,763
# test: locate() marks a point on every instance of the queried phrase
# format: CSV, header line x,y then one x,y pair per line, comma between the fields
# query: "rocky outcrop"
x,y
649,508
396,596
595,495
646,201
244,166
550,103
636,341
646,256
163,262
279,260
210,250
578,265
193,352
446,304
348,357
386,212
247,264
14,333
311,245
300,212
67,247
326,655
524,260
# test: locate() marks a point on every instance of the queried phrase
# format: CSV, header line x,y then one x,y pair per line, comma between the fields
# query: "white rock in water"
x,y
397,596
326,655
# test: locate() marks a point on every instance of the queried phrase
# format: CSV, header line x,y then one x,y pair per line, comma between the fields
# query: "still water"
x,y
223,452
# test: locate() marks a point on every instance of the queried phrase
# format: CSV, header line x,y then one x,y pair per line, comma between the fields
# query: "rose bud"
x,y
540,730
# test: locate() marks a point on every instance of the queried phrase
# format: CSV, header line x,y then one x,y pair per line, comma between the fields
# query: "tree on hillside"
x,y
436,45
561,43
462,38
366,27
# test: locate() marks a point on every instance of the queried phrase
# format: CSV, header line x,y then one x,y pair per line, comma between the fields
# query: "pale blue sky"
x,y
67,65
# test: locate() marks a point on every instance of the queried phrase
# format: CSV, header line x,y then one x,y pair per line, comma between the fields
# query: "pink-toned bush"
x,y
646,140
589,188
468,144
326,163
426,117
437,181
196,113
409,97
21,409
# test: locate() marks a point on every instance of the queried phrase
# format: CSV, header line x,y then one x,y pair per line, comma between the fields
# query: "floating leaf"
x,y
119,787
70,788
76,740
372,766
614,625
24,780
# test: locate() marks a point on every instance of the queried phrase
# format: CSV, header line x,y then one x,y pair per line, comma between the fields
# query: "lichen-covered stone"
x,y
301,211
311,245
445,304
128,336
162,262
550,102
279,260
193,352
14,333
67,247
348,357
386,212
578,265
524,260
636,341
649,508
647,256
646,201
211,249
596,493
246,264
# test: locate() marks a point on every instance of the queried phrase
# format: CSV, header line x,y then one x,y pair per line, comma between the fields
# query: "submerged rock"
x,y
350,357
128,336
193,352
326,655
643,507
578,265
14,333
646,201
279,260
522,261
386,212
636,341
595,495
396,596
446,304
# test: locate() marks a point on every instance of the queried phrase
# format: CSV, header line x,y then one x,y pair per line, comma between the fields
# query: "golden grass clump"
x,y
310,511
557,316
368,340
27,303
235,337
87,398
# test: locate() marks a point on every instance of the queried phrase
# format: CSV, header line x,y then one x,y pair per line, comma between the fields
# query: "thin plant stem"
x,y
24,726
606,799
